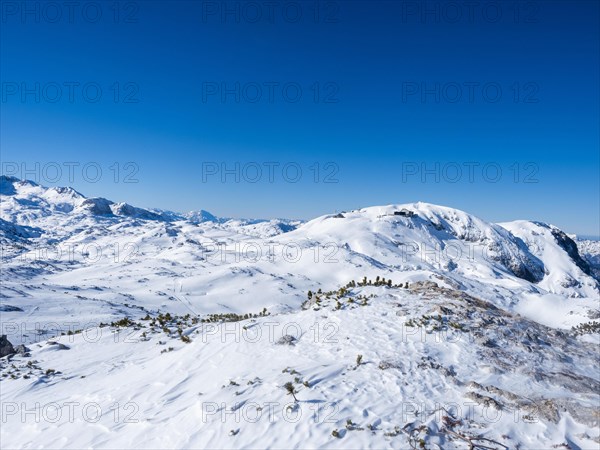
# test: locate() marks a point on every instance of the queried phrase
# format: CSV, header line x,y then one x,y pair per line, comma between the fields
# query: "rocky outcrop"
x,y
6,348
569,246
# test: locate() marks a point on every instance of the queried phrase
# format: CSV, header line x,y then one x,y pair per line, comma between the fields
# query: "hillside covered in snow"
x,y
398,326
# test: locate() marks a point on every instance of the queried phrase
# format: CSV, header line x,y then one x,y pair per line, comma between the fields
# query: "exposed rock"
x,y
484,400
569,246
21,350
594,313
125,209
6,348
58,346
97,206
384,365
10,308
7,185
286,340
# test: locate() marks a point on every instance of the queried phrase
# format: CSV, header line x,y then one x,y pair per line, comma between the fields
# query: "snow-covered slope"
x,y
114,251
71,262
566,272
436,366
590,251
433,236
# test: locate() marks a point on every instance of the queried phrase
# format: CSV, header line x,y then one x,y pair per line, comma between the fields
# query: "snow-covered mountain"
x,y
521,294
590,251
564,266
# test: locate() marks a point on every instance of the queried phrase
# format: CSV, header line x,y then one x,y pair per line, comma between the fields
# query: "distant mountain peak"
x,y
201,216
8,179
67,200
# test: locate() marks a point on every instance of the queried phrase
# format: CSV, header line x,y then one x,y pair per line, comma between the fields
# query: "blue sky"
x,y
375,103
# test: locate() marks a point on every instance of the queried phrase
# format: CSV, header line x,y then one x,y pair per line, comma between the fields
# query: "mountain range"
x,y
525,293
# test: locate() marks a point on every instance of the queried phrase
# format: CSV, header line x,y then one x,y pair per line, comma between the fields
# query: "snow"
x,y
510,292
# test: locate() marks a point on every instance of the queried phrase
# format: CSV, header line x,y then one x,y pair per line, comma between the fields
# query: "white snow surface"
x,y
484,328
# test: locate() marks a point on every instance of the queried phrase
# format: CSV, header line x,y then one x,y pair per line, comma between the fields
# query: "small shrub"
x,y
351,426
586,328
393,433
124,322
456,325
291,390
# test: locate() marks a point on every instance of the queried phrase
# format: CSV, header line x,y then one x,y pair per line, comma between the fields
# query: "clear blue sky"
x,y
376,67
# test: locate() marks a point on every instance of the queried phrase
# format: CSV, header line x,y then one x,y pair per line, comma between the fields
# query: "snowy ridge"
x,y
429,232
113,247
590,251
564,267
